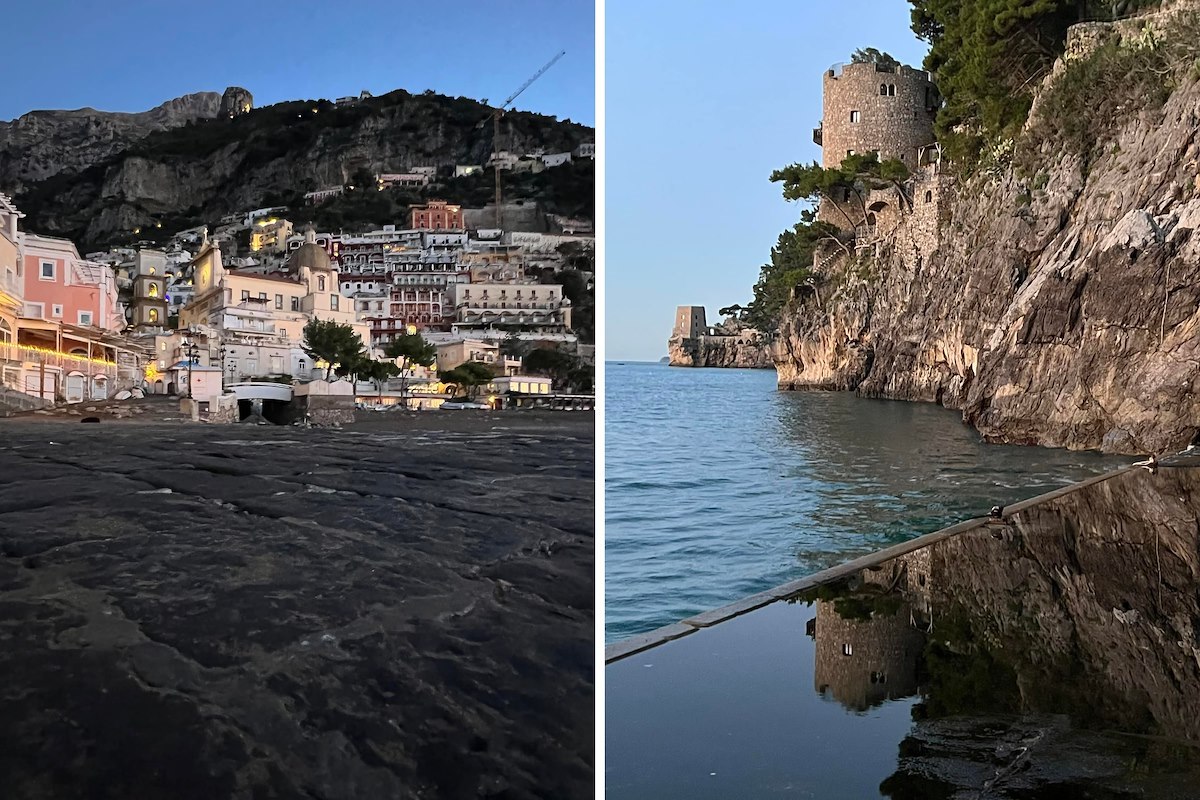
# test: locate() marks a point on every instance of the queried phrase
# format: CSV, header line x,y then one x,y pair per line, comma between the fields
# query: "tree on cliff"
x,y
790,265
989,57
335,344
857,175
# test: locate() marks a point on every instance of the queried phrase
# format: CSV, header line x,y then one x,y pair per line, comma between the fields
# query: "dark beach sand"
x,y
403,608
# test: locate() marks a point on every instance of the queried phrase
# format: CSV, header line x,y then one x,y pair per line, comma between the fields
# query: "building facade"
x,y
437,215
256,322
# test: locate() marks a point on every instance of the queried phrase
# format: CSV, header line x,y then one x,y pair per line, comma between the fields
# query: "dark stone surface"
x,y
400,609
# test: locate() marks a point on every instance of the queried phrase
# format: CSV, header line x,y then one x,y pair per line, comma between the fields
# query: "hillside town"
x,y
215,308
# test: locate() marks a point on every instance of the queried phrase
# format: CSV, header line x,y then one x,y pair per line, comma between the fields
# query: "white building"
x,y
534,307
321,195
385,180
463,170
259,213
556,159
258,320
586,150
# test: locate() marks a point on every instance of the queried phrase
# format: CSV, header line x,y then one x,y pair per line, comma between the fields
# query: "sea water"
x,y
718,486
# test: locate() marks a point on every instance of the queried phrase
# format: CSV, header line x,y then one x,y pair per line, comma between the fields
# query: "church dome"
x,y
310,254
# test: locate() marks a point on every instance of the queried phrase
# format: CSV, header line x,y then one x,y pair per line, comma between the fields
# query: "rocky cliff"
x,y
1060,304
125,175
730,344
744,351
42,144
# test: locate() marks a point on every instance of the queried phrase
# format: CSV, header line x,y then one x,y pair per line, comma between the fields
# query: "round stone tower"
x,y
872,108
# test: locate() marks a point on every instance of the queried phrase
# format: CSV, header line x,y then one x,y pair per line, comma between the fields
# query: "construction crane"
x,y
496,115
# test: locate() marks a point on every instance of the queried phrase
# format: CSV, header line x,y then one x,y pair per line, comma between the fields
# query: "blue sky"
x,y
703,100
131,55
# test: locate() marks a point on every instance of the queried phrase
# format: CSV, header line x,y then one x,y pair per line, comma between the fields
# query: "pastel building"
x,y
61,342
255,322
60,286
11,292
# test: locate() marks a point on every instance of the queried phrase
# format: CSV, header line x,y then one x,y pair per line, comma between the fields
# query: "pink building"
x,y
62,287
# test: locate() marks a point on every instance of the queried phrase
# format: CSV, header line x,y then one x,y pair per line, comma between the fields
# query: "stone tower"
x,y
235,101
867,108
689,323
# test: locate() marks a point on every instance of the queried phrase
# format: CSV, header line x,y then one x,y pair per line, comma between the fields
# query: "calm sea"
x,y
718,486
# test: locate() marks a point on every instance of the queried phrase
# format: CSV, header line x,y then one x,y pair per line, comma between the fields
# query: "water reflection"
x,y
1059,649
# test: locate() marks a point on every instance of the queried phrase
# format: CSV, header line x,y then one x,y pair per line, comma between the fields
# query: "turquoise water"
x,y
717,486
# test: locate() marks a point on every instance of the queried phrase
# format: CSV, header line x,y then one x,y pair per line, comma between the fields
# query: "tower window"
x,y
883,89
847,649
929,197
891,90
854,116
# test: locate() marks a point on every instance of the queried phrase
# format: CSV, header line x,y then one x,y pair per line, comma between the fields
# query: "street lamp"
x,y
192,352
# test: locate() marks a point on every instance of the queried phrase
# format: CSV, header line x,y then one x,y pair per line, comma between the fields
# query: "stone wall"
x,y
896,126
325,410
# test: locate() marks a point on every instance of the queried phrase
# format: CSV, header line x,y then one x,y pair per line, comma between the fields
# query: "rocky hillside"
x,y
42,144
1062,304
210,165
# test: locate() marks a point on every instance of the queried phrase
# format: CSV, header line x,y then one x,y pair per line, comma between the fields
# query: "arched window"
x,y
153,316
153,290
891,90
320,283
929,197
883,89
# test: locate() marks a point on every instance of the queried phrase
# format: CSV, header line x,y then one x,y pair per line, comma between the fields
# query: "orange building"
x,y
437,215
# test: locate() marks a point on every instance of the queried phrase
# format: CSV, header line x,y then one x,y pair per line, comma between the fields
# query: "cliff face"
x,y
1059,309
719,351
741,348
42,144
266,156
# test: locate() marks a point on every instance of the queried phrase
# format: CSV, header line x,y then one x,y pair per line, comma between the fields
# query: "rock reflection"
x,y
1059,649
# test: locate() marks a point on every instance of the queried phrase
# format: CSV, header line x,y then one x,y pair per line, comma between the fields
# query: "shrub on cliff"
x,y
1084,104
990,56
